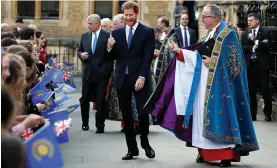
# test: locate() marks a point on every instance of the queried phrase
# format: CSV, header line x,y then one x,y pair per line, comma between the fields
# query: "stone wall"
x,y
150,10
72,24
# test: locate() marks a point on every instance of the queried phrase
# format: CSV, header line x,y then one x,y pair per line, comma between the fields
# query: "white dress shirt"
x,y
93,35
183,34
127,30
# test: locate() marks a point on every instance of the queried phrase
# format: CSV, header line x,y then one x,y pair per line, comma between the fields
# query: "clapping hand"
x,y
173,47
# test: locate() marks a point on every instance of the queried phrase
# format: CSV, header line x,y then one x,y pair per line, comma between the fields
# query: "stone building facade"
x,y
71,20
72,14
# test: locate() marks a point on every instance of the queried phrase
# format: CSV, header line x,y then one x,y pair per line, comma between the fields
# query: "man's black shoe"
x,y
85,127
225,163
199,159
130,155
149,152
99,130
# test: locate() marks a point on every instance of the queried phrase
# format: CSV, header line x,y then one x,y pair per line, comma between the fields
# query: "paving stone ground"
x,y
89,150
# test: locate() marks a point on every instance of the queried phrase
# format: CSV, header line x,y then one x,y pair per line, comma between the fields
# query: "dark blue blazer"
x,y
138,57
100,63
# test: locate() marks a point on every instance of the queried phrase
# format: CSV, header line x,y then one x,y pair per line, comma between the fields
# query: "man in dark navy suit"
x,y
96,69
133,46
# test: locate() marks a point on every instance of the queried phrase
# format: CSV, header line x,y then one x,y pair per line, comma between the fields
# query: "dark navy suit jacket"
x,y
138,57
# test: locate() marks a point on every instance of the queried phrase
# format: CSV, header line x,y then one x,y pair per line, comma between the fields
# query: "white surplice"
x,y
183,81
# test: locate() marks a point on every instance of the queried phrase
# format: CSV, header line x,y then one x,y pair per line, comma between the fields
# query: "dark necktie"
x,y
254,33
185,38
130,36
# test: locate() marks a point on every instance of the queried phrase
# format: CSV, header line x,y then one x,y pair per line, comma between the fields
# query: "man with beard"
x,y
133,58
114,111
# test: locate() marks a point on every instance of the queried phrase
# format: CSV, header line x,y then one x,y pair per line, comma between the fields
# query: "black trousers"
x,y
259,78
94,89
125,96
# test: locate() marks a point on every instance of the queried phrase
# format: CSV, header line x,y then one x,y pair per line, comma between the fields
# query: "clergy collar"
x,y
215,28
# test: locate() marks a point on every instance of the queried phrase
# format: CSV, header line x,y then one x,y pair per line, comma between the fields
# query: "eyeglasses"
x,y
203,17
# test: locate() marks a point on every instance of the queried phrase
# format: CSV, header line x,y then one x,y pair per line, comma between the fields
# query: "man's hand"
x,y
173,47
111,42
84,56
139,84
206,61
33,121
156,52
40,107
265,41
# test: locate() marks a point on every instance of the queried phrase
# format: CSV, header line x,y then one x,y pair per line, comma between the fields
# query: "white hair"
x,y
119,16
4,27
106,21
94,18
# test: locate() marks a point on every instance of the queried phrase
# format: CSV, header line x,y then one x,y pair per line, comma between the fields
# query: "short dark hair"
x,y
130,4
6,42
27,33
6,34
16,33
165,21
38,34
255,15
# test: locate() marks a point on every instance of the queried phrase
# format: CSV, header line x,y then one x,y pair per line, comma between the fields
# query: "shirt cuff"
x,y
180,56
109,49
18,130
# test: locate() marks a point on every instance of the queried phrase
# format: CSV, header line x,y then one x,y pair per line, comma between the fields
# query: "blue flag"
x,y
59,89
40,96
73,108
68,88
61,123
61,99
68,64
53,61
43,150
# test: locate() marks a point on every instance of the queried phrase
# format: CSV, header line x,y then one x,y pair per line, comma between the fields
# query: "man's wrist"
x,y
142,77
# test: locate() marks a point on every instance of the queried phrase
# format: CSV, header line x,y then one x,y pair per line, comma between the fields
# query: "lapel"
x,y
89,39
99,40
135,36
123,36
259,33
190,36
180,36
